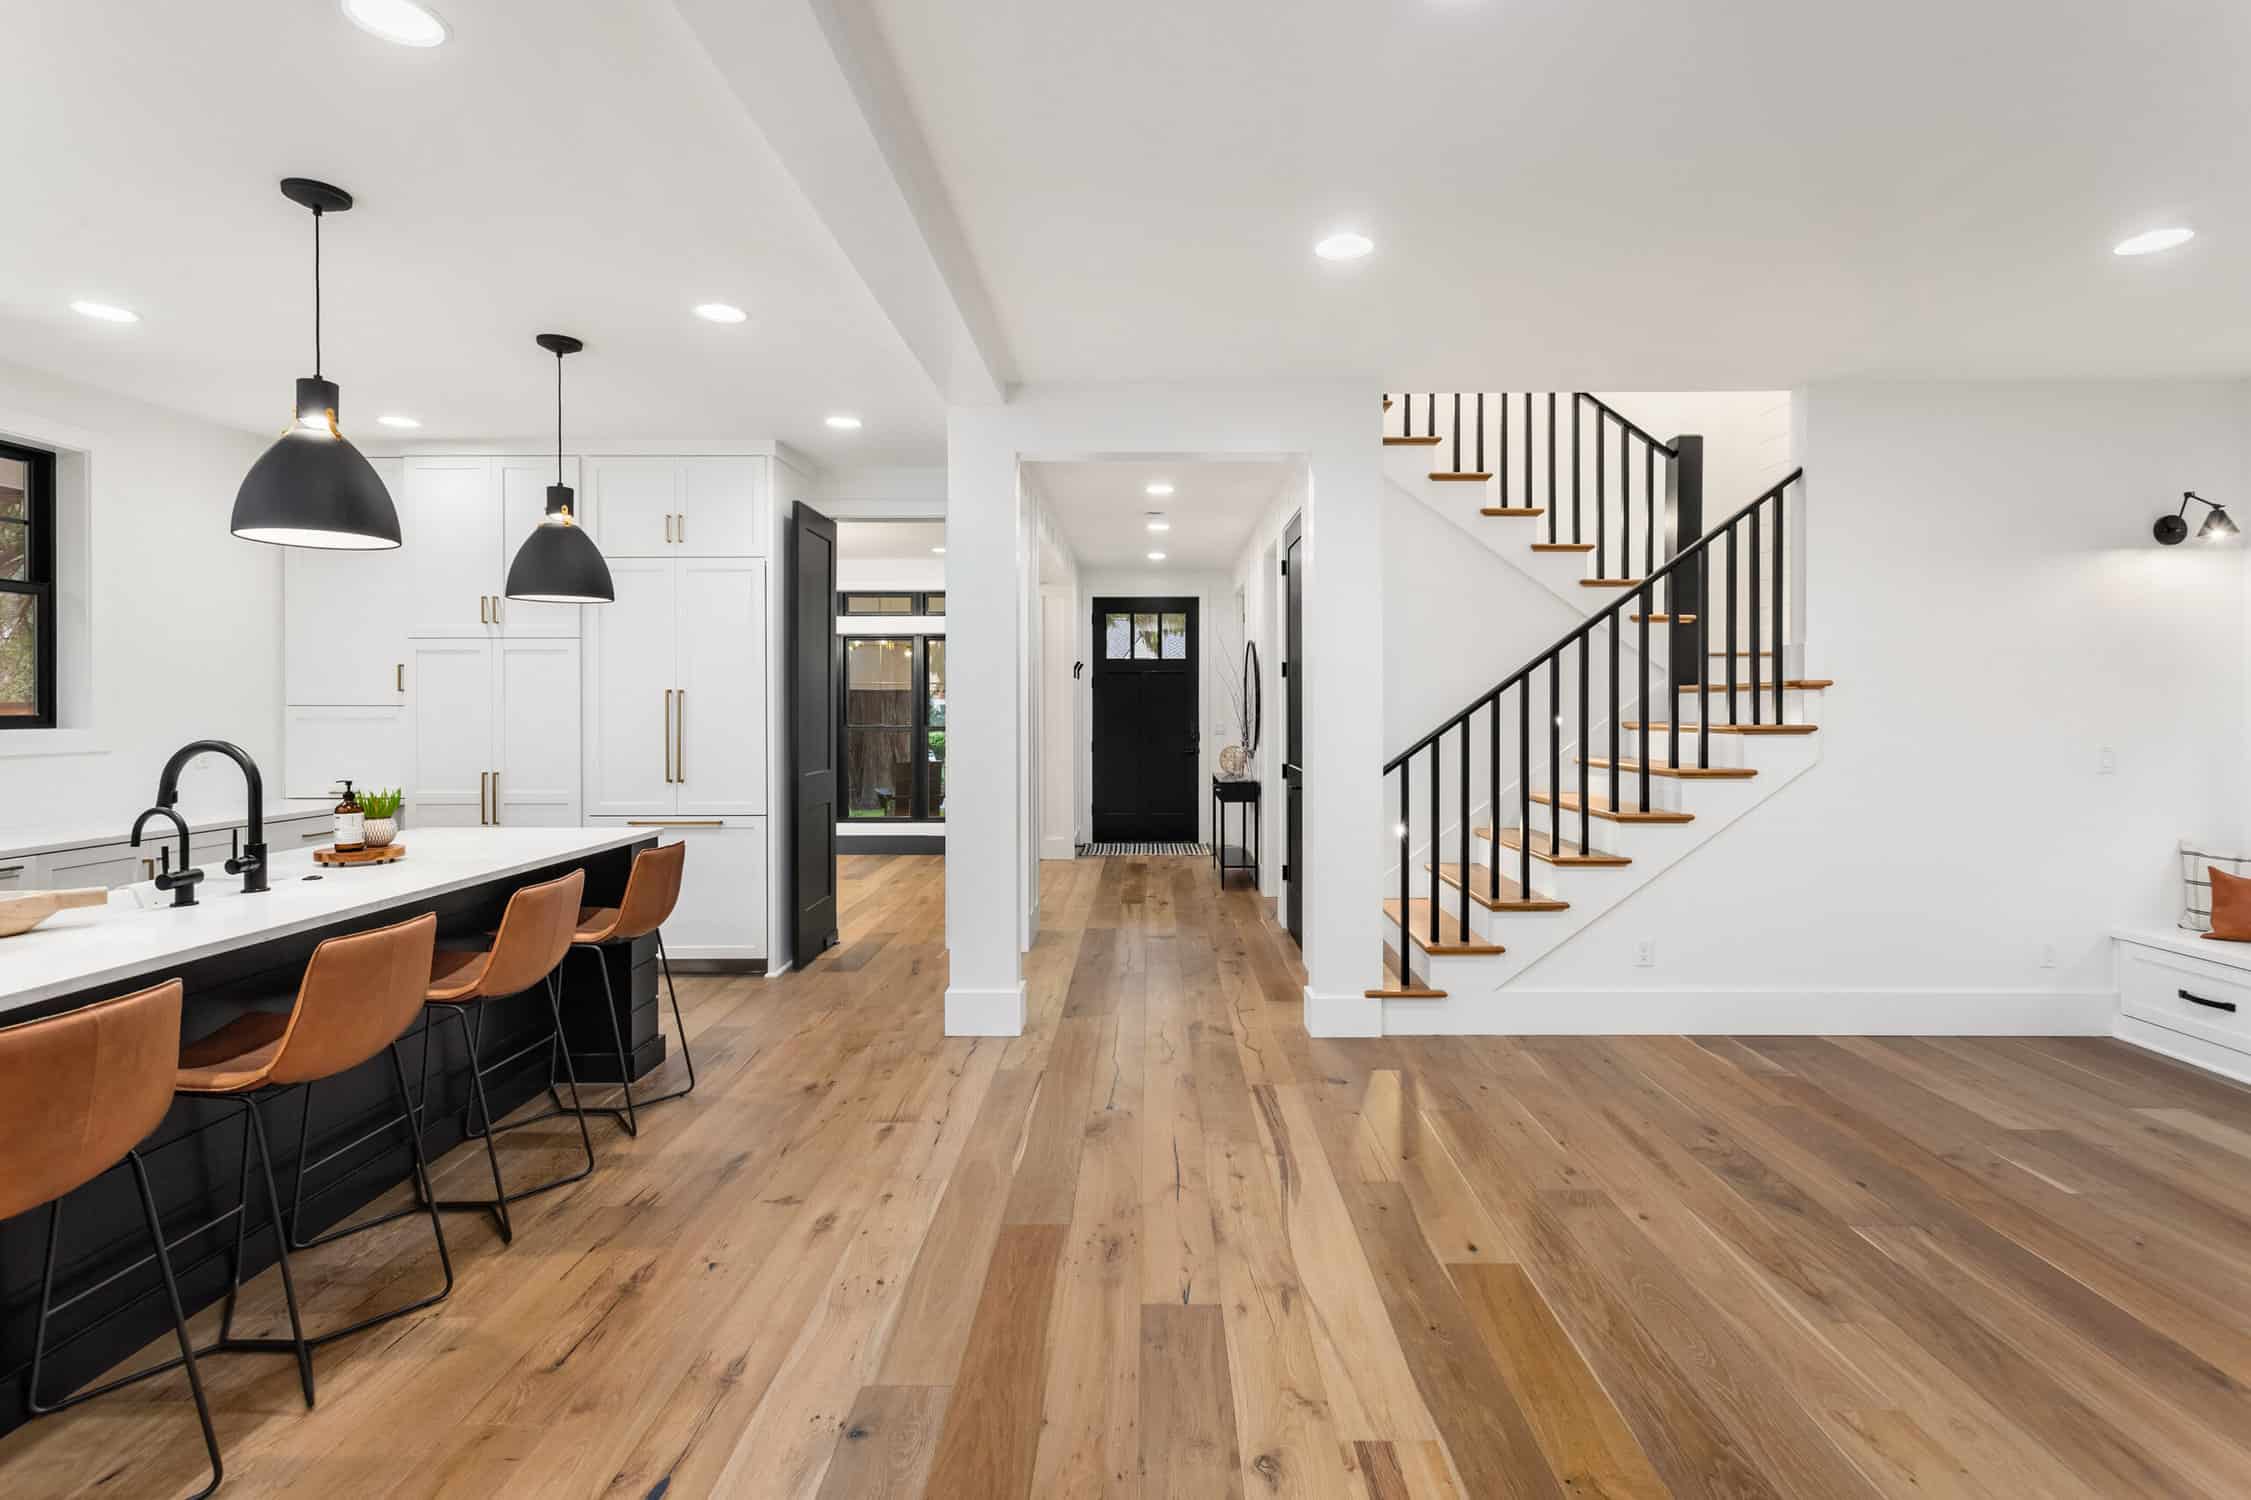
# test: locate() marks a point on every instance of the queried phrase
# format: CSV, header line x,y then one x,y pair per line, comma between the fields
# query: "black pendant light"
x,y
312,488
2172,530
559,563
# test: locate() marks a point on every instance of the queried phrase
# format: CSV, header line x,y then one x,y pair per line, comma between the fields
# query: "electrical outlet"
x,y
1645,954
2106,762
2047,955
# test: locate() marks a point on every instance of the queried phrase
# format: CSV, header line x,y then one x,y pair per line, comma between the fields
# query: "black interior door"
x,y
1293,730
1147,729
812,732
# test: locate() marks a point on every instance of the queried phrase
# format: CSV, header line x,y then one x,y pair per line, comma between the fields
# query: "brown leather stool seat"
x,y
534,935
652,890
78,1093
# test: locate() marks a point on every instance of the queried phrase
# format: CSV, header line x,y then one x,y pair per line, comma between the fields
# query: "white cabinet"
x,y
324,745
104,864
345,635
16,874
721,914
463,520
496,733
676,690
679,507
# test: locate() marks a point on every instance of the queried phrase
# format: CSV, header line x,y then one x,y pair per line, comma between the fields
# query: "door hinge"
x,y
1285,670
1285,871
1285,567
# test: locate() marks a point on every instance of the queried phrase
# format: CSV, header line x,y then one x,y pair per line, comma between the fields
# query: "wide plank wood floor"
x,y
1164,1244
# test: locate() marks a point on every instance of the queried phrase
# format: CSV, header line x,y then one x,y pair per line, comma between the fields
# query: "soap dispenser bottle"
x,y
351,823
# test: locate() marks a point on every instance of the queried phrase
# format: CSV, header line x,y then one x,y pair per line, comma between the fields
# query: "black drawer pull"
x,y
2226,1005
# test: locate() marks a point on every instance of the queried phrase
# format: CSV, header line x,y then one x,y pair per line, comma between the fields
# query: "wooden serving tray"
x,y
21,911
335,856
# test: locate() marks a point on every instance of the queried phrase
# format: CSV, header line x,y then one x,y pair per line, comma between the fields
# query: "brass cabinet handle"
x,y
683,526
496,799
318,833
668,736
496,609
675,823
668,527
484,609
482,778
148,867
680,738
402,677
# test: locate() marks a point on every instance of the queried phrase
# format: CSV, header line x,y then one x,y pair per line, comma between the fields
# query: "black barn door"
x,y
1147,728
1293,736
812,732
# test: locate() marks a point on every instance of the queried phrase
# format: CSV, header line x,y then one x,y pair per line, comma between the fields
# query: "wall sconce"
x,y
2172,530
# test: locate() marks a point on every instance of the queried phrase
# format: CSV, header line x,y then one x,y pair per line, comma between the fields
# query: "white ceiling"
x,y
568,165
1102,510
1641,194
890,541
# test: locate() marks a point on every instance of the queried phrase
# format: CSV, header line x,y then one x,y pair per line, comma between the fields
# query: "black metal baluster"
x,y
1551,458
1704,653
1642,755
1601,508
1672,720
1781,647
1406,853
1430,414
1555,754
1504,450
1480,432
1731,657
1755,603
1462,812
1437,849
1523,791
1586,733
1457,432
1575,534
1492,805
1614,624
1649,499
1625,506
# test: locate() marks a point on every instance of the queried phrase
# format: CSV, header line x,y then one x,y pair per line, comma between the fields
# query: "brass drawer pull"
x,y
675,823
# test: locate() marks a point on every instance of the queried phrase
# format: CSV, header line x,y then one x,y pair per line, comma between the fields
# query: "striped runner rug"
x,y
1102,851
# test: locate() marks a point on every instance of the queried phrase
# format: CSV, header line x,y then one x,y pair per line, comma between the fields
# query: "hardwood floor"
x,y
1165,1244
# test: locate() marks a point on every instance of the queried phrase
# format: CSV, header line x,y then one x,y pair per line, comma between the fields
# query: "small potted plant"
x,y
382,810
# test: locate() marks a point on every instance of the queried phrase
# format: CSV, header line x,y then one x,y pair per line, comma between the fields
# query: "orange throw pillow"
x,y
2231,907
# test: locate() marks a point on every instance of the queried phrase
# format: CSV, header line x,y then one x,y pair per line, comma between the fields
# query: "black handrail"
x,y
1626,422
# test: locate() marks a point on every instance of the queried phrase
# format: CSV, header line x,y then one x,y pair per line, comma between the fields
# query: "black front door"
x,y
1147,738
1293,729
812,733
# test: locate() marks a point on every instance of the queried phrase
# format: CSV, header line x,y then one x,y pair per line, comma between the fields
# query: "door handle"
x,y
680,737
668,736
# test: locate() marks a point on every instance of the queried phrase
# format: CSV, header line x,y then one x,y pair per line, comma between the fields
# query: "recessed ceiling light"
x,y
105,312
1158,487
844,423
400,21
395,419
2151,241
939,550
720,312
1344,245
1159,523
1156,557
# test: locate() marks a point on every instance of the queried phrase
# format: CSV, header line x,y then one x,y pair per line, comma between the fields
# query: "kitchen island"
x,y
237,952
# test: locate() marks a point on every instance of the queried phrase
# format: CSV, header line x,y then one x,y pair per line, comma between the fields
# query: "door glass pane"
x,y
1145,637
15,549
15,480
934,727
1174,634
19,655
1117,638
878,773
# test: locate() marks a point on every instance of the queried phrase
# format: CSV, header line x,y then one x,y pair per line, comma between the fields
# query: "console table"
x,y
1243,856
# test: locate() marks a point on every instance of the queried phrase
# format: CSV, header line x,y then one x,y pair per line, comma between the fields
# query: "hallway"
x,y
1165,1244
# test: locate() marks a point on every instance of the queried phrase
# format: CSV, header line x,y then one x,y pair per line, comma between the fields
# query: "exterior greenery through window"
x,y
27,588
894,727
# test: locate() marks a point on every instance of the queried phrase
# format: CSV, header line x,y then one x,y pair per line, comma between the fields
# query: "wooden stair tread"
x,y
1516,510
1610,583
1665,620
1452,941
1572,854
1396,989
1411,442
1598,806
1731,728
1511,898
1464,478
1563,546
1789,684
1679,773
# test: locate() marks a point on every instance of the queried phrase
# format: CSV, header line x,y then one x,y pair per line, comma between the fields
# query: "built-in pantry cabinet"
x,y
412,668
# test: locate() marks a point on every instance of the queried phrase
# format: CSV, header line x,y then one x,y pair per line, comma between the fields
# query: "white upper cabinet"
x,y
346,636
719,708
679,507
455,734
523,486
535,778
496,733
629,692
451,516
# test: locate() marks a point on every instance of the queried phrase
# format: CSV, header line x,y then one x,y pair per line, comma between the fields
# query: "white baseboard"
x,y
2194,1051
1517,1011
986,1012
1351,1014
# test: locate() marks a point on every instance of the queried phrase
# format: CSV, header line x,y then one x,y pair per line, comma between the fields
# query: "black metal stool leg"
x,y
241,1235
570,1071
499,1204
257,1127
179,1321
664,962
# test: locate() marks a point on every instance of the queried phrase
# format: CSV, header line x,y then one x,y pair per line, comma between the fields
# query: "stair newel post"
x,y
1647,596
1555,756
1480,432
1437,824
1614,626
1685,592
1406,852
1586,733
1781,651
1731,622
1461,811
1492,805
1756,602
1523,791
1703,651
1457,432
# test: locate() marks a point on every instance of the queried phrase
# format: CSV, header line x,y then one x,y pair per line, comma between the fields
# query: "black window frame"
x,y
922,806
39,523
918,604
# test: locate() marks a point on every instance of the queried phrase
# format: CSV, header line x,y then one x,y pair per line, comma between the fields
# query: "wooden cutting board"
x,y
335,856
27,909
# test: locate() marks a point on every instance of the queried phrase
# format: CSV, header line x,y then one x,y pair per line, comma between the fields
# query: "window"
x,y
27,588
877,604
1145,636
894,728
934,604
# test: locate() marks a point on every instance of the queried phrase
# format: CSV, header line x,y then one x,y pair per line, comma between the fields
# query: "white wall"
x,y
921,574
1747,440
1983,586
1258,573
173,626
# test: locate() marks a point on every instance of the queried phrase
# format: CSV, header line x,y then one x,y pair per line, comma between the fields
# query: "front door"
x,y
1147,739
812,733
1293,733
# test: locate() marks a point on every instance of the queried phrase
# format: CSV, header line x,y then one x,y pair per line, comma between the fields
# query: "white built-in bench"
x,y
2186,997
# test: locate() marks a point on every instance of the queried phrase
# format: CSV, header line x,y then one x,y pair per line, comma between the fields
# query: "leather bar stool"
x,y
358,996
535,933
651,891
78,1093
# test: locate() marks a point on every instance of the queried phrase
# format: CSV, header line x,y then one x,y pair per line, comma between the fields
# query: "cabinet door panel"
x,y
720,727
523,501
632,502
452,552
723,507
539,739
106,864
322,746
722,908
629,678
452,683
344,631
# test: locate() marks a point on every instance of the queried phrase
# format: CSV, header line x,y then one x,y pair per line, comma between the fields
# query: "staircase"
x,y
1666,714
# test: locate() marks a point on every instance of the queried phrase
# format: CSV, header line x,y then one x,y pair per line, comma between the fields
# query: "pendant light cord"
x,y
316,293
558,416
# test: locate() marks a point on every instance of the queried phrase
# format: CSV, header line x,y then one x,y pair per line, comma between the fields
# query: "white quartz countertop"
x,y
83,833
140,933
